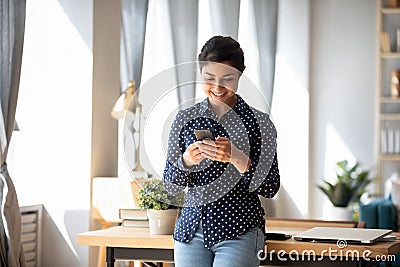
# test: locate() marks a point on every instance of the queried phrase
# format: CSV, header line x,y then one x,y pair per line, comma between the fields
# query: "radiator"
x,y
31,224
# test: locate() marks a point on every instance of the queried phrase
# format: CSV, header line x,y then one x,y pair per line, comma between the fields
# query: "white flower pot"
x,y
337,213
162,222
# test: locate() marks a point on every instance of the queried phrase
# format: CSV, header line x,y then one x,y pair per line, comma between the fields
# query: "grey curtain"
x,y
266,19
133,32
184,15
12,26
266,23
225,17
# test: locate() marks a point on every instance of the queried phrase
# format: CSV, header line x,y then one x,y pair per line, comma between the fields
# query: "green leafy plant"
x,y
154,196
351,182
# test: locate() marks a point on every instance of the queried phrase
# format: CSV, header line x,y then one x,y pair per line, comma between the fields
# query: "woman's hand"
x,y
192,155
223,150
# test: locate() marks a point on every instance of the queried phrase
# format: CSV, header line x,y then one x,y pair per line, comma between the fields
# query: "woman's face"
x,y
220,82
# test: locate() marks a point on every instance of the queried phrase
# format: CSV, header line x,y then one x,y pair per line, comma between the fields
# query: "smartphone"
x,y
204,134
276,236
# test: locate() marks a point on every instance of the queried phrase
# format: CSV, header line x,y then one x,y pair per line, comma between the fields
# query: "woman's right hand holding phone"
x,y
192,155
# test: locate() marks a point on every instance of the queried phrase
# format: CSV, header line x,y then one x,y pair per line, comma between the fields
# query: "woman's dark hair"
x,y
220,49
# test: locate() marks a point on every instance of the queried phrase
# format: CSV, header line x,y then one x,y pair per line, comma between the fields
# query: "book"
x,y
135,223
385,42
397,141
382,41
388,48
135,214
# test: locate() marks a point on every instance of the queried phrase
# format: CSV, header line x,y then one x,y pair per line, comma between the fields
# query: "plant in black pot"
x,y
162,207
349,185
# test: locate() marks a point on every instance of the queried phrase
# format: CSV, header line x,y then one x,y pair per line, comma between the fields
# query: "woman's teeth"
x,y
217,94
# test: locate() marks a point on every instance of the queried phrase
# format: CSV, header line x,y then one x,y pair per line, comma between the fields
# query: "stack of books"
x,y
134,218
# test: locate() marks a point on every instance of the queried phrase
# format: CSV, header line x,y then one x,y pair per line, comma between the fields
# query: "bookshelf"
x,y
387,103
393,55
391,10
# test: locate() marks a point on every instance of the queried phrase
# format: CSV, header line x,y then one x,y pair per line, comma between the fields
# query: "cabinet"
x,y
387,104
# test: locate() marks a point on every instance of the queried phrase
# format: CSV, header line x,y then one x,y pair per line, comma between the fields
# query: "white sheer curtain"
x,y
12,26
225,17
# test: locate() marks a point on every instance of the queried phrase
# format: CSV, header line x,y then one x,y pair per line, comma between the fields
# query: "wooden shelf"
x,y
392,157
392,55
390,117
390,10
388,99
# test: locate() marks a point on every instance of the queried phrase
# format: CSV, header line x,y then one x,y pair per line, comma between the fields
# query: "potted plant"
x,y
162,207
347,189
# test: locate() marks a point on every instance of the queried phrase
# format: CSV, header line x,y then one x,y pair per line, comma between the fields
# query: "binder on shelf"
x,y
398,40
390,141
383,141
397,141
133,214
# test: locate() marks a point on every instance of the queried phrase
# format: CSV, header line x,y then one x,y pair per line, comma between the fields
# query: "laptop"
x,y
335,234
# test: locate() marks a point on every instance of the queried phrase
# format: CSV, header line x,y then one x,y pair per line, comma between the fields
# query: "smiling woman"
x,y
222,221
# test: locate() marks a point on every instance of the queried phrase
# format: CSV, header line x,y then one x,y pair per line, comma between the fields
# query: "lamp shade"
x,y
128,101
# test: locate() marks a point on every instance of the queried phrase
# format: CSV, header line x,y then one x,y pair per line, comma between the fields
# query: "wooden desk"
x,y
128,243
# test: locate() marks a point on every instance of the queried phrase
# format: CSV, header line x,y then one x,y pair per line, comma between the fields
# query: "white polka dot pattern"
x,y
224,200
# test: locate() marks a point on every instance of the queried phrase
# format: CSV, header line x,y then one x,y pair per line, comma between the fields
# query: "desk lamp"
x,y
128,105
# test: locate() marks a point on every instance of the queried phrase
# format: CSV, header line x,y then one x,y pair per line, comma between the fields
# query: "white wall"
x,y
50,159
342,84
290,107
106,90
323,105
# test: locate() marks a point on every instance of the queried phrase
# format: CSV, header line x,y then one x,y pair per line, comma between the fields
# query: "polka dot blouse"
x,y
218,196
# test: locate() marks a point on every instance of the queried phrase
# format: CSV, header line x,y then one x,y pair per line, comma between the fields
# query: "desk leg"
x,y
110,260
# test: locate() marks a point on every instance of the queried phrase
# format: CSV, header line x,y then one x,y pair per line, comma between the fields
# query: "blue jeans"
x,y
240,252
